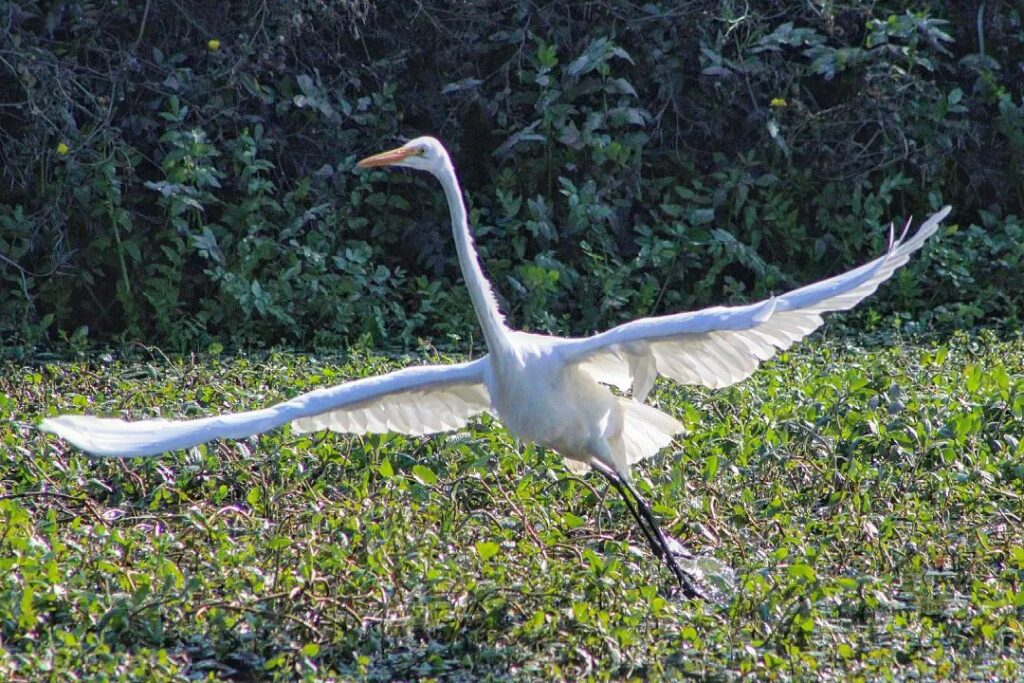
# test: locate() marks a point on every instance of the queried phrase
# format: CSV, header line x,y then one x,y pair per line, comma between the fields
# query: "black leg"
x,y
645,510
651,530
653,539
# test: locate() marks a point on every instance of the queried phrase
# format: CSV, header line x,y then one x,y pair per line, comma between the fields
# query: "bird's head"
x,y
424,154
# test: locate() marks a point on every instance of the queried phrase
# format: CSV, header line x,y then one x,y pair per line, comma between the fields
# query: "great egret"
x,y
553,391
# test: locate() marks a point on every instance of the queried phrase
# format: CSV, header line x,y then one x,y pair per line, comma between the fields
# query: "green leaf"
x,y
486,550
386,470
572,521
27,618
972,377
424,475
802,571
279,543
701,216
710,467
1018,556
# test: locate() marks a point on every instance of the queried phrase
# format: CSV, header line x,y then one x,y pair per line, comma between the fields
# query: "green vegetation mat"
x,y
869,500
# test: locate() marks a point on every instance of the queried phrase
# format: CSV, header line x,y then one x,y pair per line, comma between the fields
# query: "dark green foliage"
x,y
182,172
868,500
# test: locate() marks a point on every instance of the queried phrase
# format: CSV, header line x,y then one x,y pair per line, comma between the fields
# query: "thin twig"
x,y
142,27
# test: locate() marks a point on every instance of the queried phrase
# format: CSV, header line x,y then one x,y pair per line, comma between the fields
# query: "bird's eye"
x,y
422,151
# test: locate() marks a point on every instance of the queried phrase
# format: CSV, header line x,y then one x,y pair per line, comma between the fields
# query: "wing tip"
x,y
92,435
906,229
61,425
931,225
69,428
927,229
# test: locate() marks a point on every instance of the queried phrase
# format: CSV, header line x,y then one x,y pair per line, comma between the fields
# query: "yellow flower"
x,y
778,102
62,148
213,44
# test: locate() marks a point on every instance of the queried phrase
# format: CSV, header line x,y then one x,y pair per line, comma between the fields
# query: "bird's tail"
x,y
645,431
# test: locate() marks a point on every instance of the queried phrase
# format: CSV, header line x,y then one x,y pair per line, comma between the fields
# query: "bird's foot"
x,y
703,576
677,549
690,578
689,582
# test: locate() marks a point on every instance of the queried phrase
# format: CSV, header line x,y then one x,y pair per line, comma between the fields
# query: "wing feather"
x,y
719,346
415,400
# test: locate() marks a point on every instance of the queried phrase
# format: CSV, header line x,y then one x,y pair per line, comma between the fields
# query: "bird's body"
x,y
541,399
549,390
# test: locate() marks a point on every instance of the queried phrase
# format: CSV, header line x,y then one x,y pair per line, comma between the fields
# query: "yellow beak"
x,y
392,156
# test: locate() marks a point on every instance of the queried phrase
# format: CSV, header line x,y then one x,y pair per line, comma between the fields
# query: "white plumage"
x,y
389,403
550,390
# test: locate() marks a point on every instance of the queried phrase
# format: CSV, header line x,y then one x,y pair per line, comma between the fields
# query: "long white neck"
x,y
484,303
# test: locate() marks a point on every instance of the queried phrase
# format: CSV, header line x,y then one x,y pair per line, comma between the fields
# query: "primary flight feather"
x,y
550,390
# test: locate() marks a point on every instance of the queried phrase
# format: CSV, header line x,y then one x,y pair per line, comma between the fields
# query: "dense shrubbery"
x,y
182,172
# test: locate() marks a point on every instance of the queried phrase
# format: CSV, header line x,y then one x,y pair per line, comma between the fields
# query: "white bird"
x,y
553,391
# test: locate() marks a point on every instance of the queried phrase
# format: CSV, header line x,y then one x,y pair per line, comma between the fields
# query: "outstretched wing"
x,y
416,400
719,346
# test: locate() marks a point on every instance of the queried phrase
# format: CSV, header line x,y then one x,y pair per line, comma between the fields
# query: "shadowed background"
x,y
183,172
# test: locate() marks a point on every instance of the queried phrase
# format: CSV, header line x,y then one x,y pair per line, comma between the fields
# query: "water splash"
x,y
715,578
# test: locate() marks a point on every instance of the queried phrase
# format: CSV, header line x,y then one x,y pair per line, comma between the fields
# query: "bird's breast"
x,y
553,405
